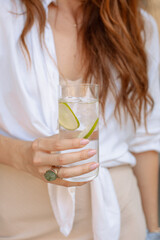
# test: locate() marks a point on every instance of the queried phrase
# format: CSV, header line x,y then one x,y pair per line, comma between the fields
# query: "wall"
x,y
154,8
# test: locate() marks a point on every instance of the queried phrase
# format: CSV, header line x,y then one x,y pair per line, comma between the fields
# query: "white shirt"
x,y
29,109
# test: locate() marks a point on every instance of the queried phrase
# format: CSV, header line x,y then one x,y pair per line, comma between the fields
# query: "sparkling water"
x,y
87,112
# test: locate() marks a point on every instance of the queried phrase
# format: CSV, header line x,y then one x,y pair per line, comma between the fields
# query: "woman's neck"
x,y
70,12
69,7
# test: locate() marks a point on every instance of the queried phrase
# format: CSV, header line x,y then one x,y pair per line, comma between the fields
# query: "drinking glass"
x,y
78,118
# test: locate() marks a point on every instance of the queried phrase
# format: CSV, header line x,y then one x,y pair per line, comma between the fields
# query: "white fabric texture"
x,y
29,109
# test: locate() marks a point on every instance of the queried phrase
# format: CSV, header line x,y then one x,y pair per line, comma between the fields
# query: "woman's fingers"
x,y
56,159
67,172
64,183
56,144
45,155
58,181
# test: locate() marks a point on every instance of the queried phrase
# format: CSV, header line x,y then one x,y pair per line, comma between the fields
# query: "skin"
x,y
68,50
146,171
35,158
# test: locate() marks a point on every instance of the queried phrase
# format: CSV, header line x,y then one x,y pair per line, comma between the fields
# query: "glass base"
x,y
83,178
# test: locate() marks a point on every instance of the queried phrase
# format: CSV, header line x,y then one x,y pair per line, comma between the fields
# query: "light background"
x,y
154,8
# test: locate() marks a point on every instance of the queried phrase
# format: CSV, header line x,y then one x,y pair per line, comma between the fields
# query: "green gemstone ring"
x,y
51,175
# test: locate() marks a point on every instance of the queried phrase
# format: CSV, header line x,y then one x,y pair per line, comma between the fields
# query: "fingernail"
x,y
84,141
94,166
91,153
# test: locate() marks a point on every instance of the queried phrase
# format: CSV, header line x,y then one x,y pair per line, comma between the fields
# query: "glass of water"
x,y
79,118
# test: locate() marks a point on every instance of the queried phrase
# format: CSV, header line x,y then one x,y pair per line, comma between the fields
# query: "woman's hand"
x,y
40,155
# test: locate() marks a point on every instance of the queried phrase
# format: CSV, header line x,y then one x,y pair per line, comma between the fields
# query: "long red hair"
x,y
111,35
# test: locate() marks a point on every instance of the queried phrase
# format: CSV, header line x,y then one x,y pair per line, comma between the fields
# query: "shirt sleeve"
x,y
149,140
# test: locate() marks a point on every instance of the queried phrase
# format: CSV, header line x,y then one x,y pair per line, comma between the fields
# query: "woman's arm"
x,y
146,171
37,157
15,153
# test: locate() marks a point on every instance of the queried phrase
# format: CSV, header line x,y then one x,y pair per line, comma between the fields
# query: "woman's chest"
x,y
67,46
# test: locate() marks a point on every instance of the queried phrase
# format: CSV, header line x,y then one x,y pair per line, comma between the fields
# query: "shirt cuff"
x,y
145,143
153,236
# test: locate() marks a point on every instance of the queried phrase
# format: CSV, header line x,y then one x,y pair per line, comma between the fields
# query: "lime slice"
x,y
67,118
86,133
